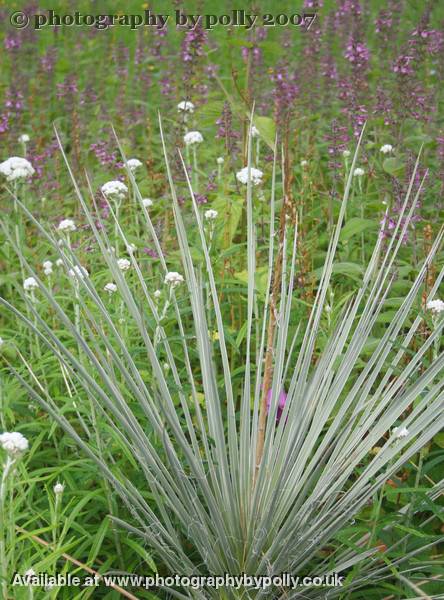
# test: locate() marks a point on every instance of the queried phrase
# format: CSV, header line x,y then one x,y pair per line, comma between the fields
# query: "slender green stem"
x,y
4,484
195,173
379,497
410,512
162,316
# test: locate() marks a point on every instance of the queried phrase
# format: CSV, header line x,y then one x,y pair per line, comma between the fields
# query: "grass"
x,y
150,404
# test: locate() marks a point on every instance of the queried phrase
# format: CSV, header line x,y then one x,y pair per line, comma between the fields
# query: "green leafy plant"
x,y
211,502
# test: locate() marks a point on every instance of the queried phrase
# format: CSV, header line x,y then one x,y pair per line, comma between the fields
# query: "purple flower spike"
x,y
281,404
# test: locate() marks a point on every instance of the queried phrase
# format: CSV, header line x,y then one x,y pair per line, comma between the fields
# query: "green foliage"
x,y
144,404
161,393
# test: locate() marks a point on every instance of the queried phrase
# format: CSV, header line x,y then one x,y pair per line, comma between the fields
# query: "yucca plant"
x,y
228,486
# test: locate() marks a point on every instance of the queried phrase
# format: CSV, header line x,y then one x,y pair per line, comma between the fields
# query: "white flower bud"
x,y
59,488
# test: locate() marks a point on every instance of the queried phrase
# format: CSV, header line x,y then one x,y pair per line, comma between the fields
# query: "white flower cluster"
x,y
124,264
173,279
133,164
13,442
185,106
30,284
16,168
210,214
114,189
255,175
436,306
67,225
255,131
78,272
386,149
400,432
220,160
147,202
346,153
47,267
192,137
358,172
111,288
24,138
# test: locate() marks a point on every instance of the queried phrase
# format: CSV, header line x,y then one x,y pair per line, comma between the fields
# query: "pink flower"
x,y
281,403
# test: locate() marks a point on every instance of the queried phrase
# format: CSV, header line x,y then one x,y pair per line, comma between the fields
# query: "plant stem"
x,y
288,209
411,510
3,557
195,173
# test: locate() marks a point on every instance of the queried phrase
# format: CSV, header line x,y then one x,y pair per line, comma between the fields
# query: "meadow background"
x,y
371,62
